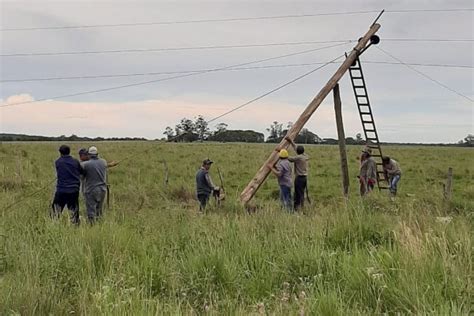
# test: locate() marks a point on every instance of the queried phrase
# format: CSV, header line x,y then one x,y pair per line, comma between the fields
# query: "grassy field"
x,y
154,254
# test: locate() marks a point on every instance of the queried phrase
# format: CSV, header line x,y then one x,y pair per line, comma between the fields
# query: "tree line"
x,y
63,138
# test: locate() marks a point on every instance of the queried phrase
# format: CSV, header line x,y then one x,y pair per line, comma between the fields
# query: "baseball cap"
x,y
92,150
83,151
207,161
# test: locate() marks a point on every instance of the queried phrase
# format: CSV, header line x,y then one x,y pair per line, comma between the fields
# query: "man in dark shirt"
x,y
204,185
68,172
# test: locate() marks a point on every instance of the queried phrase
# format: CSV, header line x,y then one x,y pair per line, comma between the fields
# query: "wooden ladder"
x,y
367,118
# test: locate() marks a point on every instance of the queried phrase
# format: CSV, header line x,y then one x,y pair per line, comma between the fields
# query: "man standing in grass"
x,y
392,172
68,171
204,184
283,173
301,173
95,184
367,172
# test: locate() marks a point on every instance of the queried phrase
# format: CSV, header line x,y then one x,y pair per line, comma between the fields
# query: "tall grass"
x,y
154,254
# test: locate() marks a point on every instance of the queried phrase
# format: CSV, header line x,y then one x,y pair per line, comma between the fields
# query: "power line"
x,y
274,90
424,75
421,64
237,19
145,50
202,70
165,49
290,16
449,40
169,78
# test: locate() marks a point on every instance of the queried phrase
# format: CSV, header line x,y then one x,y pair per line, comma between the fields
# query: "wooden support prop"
x,y
264,171
448,188
342,141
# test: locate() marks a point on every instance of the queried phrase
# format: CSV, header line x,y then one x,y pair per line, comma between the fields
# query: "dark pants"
x,y
71,200
203,199
300,186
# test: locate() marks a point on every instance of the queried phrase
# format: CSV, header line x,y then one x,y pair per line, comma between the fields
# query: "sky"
x,y
407,106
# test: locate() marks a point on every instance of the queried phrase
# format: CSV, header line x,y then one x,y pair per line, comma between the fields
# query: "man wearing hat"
x,y
204,184
367,172
95,184
283,173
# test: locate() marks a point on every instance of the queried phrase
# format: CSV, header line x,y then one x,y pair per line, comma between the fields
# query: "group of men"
x,y
368,172
283,171
88,175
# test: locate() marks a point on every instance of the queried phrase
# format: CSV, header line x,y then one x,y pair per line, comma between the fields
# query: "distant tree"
x,y
238,136
185,131
185,126
276,131
307,137
221,127
201,128
469,140
169,132
289,125
359,138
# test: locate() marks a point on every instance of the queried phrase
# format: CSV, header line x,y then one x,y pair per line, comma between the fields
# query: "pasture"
x,y
153,253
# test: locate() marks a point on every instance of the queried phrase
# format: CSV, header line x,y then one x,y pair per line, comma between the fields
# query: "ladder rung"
x,y
357,77
370,130
359,87
361,95
354,68
365,113
367,122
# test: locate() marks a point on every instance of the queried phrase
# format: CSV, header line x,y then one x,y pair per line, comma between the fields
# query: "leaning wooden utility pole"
x,y
263,172
342,141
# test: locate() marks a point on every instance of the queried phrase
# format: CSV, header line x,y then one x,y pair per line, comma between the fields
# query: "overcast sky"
x,y
407,106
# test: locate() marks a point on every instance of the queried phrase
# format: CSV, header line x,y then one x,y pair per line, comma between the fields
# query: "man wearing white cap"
x,y
95,184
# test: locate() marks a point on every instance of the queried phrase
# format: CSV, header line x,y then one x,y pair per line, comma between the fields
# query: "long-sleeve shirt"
x,y
68,172
368,169
392,168
284,168
301,164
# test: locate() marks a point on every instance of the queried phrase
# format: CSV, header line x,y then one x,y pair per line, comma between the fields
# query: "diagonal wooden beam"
x,y
263,172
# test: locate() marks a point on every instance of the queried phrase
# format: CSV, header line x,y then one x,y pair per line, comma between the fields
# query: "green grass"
x,y
154,254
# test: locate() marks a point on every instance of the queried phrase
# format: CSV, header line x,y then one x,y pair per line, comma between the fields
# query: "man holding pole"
x,y
301,172
283,173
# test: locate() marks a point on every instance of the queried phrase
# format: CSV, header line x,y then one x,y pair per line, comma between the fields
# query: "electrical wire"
x,y
147,50
275,89
237,19
201,70
424,75
210,47
169,78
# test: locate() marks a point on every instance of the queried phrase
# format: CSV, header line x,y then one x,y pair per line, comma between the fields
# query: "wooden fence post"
x,y
448,188
342,141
